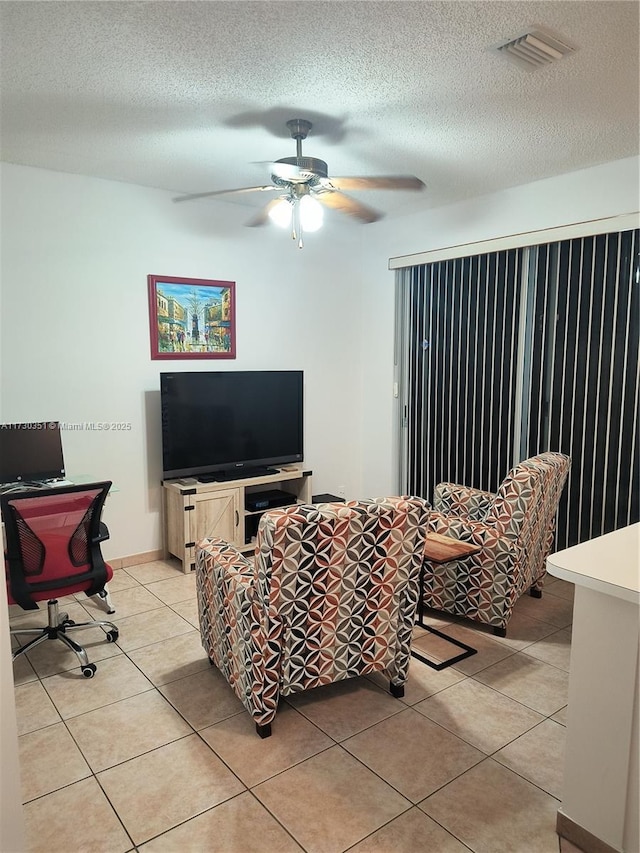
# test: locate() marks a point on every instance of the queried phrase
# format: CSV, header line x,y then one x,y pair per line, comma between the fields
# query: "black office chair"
x,y
53,541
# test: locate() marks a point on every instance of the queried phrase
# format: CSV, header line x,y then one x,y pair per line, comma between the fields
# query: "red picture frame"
x,y
191,318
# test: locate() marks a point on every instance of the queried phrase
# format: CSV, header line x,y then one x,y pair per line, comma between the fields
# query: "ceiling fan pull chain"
x,y
297,223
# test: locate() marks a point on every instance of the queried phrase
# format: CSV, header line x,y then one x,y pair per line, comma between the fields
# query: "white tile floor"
x,y
155,753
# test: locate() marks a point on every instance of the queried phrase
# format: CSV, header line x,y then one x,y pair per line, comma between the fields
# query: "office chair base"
x,y
59,625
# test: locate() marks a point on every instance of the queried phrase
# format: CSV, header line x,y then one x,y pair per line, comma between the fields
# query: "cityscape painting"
x,y
191,318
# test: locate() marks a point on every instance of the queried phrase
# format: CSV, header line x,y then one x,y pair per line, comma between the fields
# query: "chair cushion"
x,y
58,571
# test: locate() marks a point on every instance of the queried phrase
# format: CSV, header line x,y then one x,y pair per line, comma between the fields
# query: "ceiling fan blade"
x,y
193,196
262,217
381,182
341,202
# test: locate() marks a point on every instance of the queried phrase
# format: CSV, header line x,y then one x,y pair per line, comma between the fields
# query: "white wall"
x,y
607,190
75,332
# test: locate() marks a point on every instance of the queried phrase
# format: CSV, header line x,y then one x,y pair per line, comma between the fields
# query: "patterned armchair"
x,y
332,595
514,527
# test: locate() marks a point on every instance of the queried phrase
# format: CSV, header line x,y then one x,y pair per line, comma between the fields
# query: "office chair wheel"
x,y
112,635
68,623
89,670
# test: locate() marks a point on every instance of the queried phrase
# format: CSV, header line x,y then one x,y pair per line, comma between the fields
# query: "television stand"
x,y
232,474
224,509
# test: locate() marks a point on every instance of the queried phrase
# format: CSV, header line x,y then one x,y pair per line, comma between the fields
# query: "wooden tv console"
x,y
198,510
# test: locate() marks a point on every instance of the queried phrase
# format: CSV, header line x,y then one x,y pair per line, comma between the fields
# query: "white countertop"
x,y
609,564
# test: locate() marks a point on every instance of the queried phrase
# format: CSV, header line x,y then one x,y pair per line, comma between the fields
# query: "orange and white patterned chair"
x,y
332,594
514,527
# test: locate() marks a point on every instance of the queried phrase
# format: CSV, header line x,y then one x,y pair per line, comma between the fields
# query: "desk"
x,y
442,549
73,480
599,809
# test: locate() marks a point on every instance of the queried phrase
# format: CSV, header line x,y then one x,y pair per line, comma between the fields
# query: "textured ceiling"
x,y
193,96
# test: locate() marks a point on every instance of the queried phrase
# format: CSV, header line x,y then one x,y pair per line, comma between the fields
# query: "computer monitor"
x,y
30,452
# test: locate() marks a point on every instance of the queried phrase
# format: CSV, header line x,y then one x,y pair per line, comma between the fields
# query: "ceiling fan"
x,y
303,186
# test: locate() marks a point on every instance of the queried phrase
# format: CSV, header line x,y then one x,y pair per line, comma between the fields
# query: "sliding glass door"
x,y
507,354
584,377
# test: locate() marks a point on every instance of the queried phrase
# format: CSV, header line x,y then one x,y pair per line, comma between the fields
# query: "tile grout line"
x,y
404,706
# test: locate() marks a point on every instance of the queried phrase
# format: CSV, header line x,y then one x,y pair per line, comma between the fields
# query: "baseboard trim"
x,y
136,559
581,837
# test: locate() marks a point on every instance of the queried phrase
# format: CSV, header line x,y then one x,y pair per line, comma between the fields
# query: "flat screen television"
x,y
30,452
230,424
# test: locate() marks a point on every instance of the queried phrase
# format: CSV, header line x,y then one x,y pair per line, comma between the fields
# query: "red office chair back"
x,y
53,542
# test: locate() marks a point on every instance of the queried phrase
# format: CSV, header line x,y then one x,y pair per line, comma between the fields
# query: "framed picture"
x,y
191,318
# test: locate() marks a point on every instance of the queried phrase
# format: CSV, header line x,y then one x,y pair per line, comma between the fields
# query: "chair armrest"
x,y
235,628
225,566
462,501
469,530
227,612
103,533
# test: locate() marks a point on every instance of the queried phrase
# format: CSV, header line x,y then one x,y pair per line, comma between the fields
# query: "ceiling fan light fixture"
x,y
311,214
281,213
304,189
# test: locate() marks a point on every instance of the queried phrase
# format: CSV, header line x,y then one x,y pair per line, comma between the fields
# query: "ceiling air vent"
x,y
535,49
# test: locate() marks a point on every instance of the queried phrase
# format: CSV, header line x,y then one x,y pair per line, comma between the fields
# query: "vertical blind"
x,y
507,354
461,370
